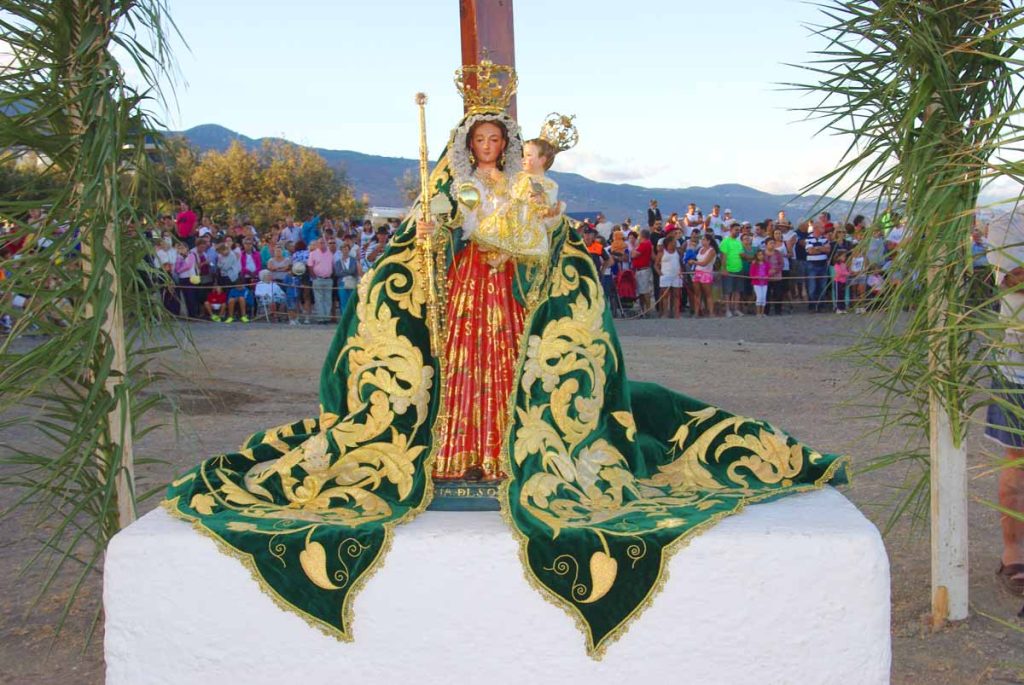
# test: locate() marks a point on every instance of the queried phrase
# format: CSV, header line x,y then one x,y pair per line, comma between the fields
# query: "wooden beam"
x,y
487,30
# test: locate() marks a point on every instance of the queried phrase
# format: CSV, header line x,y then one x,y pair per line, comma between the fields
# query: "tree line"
x,y
268,184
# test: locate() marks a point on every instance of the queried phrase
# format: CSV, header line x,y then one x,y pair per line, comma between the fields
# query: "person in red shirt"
x,y
186,225
642,264
215,303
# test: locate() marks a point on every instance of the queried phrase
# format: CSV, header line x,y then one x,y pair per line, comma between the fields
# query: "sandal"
x,y
1012,577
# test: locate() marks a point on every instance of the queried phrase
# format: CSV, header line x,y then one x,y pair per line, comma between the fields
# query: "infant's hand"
x,y
556,209
424,229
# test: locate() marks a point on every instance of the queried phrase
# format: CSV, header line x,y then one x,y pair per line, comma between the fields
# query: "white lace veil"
x,y
458,151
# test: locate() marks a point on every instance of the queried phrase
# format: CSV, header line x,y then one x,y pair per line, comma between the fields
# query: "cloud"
x,y
599,167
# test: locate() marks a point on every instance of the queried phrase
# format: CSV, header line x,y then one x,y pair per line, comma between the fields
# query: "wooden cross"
x,y
487,26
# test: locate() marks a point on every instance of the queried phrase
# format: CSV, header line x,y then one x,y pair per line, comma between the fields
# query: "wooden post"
x,y
948,518
120,416
487,30
948,485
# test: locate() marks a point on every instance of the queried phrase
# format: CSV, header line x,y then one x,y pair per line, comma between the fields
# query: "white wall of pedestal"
x,y
794,591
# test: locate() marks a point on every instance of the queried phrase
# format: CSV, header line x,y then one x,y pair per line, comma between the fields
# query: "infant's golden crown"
x,y
559,130
486,87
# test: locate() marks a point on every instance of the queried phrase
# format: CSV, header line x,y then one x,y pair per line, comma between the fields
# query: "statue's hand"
x,y
424,229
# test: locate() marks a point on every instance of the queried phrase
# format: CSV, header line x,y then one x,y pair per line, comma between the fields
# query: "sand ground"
x,y
784,370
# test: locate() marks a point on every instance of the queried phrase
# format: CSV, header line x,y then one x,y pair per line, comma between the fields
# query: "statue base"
x,y
792,591
465,495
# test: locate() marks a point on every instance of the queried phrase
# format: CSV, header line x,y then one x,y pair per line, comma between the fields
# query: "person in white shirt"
x,y
269,294
895,236
166,255
603,227
760,235
289,234
715,221
692,219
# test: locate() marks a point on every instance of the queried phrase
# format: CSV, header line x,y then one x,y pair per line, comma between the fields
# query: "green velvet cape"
x,y
607,476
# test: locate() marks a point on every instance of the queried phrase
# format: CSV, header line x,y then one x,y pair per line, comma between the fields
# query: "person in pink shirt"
x,y
185,224
321,267
840,274
759,271
250,260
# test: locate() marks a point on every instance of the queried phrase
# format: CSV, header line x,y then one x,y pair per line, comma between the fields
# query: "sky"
x,y
666,93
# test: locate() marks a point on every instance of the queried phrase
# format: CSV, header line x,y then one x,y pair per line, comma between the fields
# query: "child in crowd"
x,y
759,272
776,268
840,274
858,282
292,291
239,295
269,294
617,248
215,303
876,283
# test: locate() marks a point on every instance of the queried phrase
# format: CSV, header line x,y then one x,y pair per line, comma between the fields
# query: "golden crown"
x,y
559,130
486,87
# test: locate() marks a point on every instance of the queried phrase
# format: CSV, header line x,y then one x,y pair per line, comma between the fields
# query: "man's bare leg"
x,y
1011,496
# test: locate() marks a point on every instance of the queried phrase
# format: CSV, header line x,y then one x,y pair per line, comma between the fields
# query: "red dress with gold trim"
x,y
485,324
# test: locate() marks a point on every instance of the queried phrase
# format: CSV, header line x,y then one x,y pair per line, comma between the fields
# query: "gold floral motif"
x,y
687,473
625,418
772,460
203,503
566,279
603,570
313,560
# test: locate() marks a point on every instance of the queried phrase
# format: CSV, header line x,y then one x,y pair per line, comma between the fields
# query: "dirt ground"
x,y
784,370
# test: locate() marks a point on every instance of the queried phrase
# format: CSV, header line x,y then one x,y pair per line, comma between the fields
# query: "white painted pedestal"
x,y
795,591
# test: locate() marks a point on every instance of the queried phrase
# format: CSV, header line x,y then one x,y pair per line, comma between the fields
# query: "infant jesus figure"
x,y
521,229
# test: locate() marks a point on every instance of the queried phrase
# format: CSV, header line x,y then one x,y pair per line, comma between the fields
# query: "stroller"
x,y
625,288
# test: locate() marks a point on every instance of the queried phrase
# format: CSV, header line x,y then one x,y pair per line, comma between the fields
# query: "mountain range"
x,y
379,178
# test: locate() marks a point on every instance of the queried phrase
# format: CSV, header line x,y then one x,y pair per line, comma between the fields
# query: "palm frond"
x,y
929,97
76,368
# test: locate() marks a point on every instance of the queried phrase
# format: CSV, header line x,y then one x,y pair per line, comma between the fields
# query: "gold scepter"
x,y
427,244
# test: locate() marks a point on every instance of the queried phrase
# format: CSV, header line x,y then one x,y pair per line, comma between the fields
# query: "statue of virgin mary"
x,y
601,477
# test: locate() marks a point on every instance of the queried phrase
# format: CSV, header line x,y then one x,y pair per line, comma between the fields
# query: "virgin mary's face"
x,y
487,144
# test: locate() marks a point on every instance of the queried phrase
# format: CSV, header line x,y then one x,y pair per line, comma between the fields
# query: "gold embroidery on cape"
x,y
591,486
388,371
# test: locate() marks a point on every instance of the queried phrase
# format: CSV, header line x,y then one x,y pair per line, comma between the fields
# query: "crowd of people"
x,y
690,264
299,271
699,265
304,271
